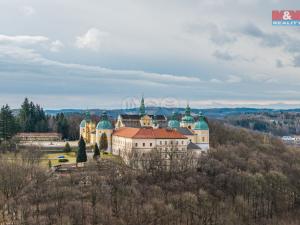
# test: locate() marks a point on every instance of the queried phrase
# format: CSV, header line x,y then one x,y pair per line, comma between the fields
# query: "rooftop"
x,y
45,134
148,133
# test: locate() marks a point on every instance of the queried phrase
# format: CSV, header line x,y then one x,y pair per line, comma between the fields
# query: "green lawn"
x,y
54,158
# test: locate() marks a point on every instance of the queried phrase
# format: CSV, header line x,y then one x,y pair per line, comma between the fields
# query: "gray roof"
x,y
185,131
192,146
138,117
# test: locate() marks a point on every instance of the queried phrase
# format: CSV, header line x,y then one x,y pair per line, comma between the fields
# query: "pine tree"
x,y
103,142
81,153
67,148
7,123
24,115
62,125
96,152
32,118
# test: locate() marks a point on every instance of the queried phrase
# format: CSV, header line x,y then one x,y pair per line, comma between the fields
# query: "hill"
x,y
246,178
212,112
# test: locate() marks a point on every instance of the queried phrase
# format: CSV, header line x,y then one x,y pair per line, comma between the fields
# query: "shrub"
x,y
67,148
63,160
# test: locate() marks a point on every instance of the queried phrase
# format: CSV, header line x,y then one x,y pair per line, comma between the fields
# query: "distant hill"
x,y
213,112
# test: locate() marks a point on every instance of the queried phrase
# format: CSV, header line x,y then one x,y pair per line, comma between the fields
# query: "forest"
x,y
245,178
32,118
279,123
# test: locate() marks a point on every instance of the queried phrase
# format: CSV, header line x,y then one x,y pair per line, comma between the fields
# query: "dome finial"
x,y
188,109
87,115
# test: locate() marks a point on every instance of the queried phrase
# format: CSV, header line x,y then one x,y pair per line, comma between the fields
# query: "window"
x,y
203,139
160,142
166,142
136,144
150,144
144,144
182,142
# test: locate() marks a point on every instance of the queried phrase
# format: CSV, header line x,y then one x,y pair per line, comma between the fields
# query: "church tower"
x,y
142,107
174,123
187,120
104,126
87,128
201,129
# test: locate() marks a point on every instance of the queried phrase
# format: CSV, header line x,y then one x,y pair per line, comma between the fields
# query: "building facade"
x,y
130,140
143,132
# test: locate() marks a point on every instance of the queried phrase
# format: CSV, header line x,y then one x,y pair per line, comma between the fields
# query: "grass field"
x,y
54,158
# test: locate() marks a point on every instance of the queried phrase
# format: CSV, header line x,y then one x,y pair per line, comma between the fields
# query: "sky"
x,y
108,53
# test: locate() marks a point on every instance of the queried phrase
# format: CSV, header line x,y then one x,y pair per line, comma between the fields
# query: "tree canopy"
x,y
81,153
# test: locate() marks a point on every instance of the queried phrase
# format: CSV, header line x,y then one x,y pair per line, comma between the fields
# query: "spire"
x,y
87,116
104,116
187,110
142,107
201,116
174,116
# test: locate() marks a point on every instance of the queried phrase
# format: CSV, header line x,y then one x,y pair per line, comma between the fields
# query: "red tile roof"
x,y
148,133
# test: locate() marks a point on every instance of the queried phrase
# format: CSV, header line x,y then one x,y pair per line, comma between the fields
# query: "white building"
x,y
128,140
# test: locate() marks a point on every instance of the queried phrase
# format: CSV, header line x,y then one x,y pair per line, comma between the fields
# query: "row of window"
x,y
161,143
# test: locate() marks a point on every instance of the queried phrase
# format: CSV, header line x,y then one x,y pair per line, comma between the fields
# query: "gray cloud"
x,y
279,63
267,39
297,61
216,35
224,55
181,49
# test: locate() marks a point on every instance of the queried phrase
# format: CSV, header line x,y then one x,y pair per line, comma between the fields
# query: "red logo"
x,y
286,15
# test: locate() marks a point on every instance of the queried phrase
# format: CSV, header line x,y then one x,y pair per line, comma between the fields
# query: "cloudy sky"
x,y
107,53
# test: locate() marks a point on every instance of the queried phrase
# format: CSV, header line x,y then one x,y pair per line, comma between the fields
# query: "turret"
x,y
173,123
187,120
104,126
202,130
87,127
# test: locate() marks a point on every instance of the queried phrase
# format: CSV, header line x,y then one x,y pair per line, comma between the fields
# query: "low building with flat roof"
x,y
33,137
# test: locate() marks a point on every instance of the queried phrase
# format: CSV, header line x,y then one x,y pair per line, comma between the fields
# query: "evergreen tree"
x,y
24,115
62,125
32,118
103,142
81,153
67,148
96,152
7,123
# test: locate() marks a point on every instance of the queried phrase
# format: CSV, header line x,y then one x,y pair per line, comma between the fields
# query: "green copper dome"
x,y
201,124
82,124
173,123
188,119
187,115
104,123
